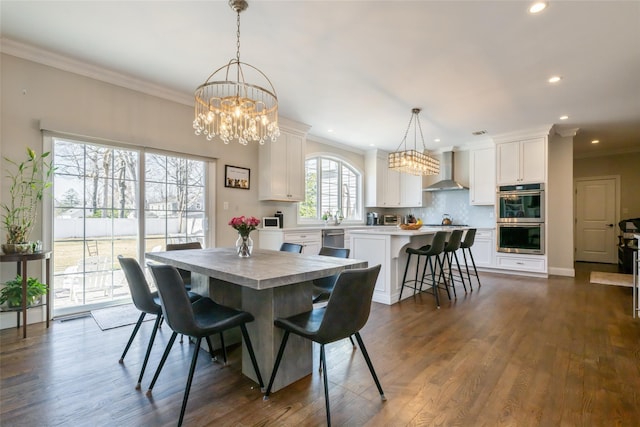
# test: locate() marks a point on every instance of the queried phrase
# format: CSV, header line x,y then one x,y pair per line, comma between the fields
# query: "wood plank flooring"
x,y
517,352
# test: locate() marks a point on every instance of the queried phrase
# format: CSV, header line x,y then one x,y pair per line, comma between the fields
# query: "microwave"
x,y
270,222
390,220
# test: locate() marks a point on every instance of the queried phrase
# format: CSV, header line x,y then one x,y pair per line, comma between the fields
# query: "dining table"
x,y
268,284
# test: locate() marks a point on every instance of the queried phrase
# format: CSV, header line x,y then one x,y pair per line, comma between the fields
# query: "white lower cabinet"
x,y
525,263
483,249
311,241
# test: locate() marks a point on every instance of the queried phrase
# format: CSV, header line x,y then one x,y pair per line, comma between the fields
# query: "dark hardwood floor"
x,y
518,352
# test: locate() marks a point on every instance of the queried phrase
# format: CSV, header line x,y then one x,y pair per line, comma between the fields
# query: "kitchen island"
x,y
387,247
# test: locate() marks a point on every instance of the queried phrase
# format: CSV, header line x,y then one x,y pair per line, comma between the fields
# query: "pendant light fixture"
x,y
230,108
412,161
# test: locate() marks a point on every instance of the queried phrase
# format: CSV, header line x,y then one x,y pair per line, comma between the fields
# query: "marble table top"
x,y
263,270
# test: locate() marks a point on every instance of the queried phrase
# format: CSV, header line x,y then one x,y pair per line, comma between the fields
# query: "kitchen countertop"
x,y
395,231
373,228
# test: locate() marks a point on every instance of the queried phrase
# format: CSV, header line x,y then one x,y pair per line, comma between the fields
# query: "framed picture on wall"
x,y
236,177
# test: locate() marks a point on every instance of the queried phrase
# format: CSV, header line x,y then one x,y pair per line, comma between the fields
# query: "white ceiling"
x,y
358,67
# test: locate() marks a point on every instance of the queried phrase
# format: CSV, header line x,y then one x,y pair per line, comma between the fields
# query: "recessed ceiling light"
x,y
372,145
538,7
564,117
330,130
554,79
436,140
595,141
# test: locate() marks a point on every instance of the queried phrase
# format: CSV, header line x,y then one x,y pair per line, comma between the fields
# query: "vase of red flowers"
x,y
244,226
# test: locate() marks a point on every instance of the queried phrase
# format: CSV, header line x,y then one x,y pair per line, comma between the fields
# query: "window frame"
x,y
342,162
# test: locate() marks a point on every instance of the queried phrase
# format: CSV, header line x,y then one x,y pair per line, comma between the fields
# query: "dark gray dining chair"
x,y
185,274
199,320
291,247
322,287
345,314
147,302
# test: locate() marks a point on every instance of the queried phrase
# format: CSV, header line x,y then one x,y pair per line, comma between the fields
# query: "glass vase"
x,y
244,246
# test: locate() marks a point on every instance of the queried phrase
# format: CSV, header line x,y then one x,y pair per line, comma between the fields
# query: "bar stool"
x,y
455,239
466,244
429,251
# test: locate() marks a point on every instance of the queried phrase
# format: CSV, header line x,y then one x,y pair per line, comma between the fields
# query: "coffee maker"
x,y
372,218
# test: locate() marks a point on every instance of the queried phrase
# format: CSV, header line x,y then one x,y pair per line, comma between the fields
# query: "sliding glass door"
x,y
110,201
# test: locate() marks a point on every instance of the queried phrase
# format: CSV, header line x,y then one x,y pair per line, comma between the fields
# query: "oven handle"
x,y
519,193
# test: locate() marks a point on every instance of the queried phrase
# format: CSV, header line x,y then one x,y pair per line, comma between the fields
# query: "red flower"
x,y
244,225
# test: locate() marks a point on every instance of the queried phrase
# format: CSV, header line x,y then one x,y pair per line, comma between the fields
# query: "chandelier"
x,y
412,161
235,109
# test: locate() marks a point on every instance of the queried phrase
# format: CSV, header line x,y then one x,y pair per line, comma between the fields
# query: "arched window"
x,y
331,185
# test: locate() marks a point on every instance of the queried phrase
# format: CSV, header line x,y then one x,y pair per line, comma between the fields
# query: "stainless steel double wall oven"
x,y
520,218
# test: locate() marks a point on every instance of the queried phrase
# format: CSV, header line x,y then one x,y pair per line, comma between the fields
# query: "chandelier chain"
x,y
238,37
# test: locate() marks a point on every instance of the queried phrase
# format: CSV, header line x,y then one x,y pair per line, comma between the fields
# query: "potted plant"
x,y
28,181
12,291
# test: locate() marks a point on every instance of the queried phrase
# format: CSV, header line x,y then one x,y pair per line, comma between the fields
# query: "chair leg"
x,y
460,271
434,286
473,262
370,365
161,364
146,356
208,339
466,266
187,389
323,361
448,258
133,335
285,337
224,349
442,275
352,343
404,277
252,355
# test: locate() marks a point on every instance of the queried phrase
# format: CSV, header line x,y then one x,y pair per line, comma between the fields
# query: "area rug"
x,y
120,315
615,279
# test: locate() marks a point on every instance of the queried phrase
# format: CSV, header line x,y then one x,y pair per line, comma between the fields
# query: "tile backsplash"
x,y
454,203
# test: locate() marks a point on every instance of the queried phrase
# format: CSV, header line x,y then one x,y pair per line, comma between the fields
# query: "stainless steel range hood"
x,y
446,171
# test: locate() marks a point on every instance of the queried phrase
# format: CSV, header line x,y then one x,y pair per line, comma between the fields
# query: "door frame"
x,y
617,180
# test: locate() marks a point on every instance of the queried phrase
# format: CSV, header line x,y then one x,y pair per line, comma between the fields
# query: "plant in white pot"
x,y
28,181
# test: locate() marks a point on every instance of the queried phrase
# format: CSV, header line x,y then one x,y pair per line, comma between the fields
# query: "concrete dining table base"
x,y
266,305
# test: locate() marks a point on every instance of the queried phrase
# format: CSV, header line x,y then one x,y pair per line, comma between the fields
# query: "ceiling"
x,y
354,69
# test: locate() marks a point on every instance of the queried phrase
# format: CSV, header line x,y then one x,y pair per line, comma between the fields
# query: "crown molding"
x,y
544,130
65,63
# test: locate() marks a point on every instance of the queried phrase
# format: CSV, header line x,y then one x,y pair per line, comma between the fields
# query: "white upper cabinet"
x,y
520,162
410,190
281,166
385,188
482,176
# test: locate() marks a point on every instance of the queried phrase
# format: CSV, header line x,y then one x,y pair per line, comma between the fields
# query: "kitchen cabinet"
x,y
386,188
522,263
484,248
281,167
521,162
482,176
410,190
310,240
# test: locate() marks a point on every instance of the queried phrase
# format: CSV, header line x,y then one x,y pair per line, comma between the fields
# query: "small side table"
x,y
22,260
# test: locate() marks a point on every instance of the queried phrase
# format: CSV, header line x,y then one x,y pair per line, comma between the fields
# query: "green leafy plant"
x,y
12,291
28,181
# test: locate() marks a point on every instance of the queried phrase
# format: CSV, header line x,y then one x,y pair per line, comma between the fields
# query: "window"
x,y
100,204
331,185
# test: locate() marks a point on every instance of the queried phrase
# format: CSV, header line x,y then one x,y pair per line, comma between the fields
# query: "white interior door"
x,y
596,220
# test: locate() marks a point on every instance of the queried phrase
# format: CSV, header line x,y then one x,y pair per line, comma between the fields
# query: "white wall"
x,y
559,208
35,95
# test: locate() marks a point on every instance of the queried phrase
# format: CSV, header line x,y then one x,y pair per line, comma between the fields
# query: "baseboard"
x,y
557,271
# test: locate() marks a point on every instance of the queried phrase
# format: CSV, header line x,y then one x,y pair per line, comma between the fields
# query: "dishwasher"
x,y
333,238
